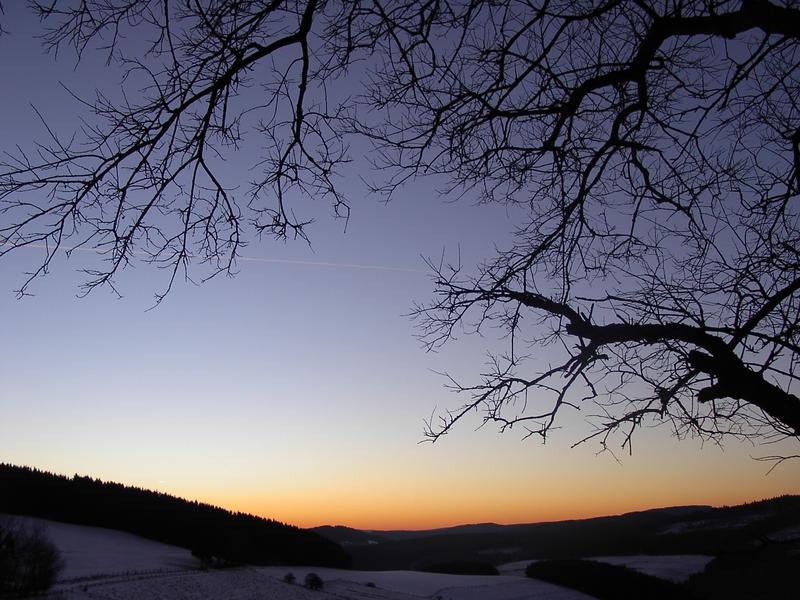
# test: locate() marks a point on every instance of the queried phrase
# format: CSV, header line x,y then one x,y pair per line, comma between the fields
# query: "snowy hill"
x,y
105,563
90,552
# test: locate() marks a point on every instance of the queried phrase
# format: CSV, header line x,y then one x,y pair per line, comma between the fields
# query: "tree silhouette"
x,y
655,147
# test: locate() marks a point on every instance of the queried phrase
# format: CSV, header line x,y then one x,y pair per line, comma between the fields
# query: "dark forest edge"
x,y
765,572
606,582
213,534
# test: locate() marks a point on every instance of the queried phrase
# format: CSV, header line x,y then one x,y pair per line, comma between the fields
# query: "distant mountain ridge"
x,y
694,529
351,536
210,532
348,536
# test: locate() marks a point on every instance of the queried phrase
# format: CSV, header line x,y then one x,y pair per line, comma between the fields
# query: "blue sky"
x,y
298,390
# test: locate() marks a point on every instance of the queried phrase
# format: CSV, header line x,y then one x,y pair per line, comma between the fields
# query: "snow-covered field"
x,y
94,551
108,564
105,564
239,584
254,583
677,568
413,584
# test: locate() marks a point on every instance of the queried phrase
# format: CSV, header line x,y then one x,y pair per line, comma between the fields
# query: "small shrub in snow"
x,y
313,581
289,578
370,584
29,562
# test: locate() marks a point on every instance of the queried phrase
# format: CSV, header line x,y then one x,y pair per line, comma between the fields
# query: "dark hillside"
x,y
679,530
207,530
347,536
626,534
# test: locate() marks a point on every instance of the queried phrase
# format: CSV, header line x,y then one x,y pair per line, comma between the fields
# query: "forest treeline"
x,y
212,533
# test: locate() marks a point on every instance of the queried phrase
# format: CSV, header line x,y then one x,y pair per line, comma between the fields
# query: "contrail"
x,y
260,259
318,263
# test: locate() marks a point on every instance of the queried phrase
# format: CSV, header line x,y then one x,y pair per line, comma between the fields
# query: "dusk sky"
x,y
297,389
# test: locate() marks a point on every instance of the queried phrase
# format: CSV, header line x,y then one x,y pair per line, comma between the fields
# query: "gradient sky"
x,y
297,390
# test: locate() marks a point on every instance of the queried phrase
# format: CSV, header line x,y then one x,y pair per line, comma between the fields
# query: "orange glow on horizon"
x,y
442,518
309,512
472,480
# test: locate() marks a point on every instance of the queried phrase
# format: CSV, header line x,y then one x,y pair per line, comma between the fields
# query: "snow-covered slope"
x,y
113,565
122,566
432,585
675,568
94,551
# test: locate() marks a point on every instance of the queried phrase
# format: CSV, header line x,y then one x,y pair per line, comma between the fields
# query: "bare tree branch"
x,y
653,146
